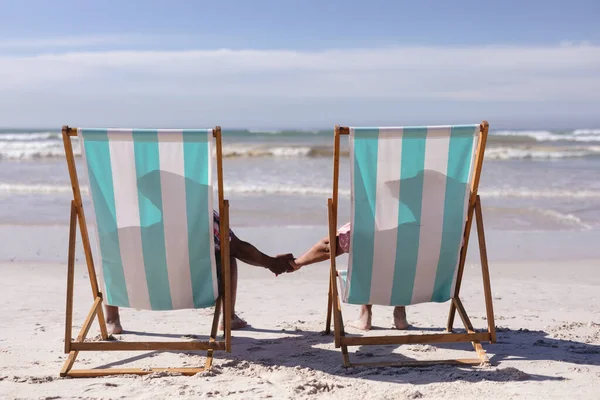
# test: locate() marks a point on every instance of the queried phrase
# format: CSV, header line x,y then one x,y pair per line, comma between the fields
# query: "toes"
x,y
401,325
114,328
238,324
360,325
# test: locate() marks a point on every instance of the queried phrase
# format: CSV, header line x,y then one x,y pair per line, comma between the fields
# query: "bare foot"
x,y
364,319
400,321
236,323
113,320
114,327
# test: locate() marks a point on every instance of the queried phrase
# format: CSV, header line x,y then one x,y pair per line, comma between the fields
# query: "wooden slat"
x,y
479,154
68,364
480,351
463,314
142,346
332,217
70,278
85,239
329,309
344,130
73,132
337,309
485,272
224,239
469,327
336,178
213,332
484,127
87,324
345,356
94,373
219,146
417,363
416,339
228,308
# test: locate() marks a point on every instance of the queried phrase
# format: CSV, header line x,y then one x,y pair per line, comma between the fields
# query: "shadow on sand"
x,y
315,351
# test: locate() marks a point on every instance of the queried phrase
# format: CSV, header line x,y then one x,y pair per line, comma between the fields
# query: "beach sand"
x,y
547,314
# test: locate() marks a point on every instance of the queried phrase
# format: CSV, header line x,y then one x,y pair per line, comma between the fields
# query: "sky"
x,y
303,64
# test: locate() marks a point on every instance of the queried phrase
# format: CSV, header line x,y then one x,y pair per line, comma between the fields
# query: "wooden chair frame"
x,y
334,305
73,347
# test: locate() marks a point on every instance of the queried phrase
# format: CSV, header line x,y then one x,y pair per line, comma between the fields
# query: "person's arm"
x,y
249,254
319,252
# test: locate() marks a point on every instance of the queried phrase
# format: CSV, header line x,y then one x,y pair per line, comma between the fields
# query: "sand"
x,y
548,318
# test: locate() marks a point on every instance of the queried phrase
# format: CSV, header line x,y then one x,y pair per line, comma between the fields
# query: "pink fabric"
x,y
344,237
217,230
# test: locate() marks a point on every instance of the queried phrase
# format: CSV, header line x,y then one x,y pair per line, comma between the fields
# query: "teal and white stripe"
x,y
152,196
410,190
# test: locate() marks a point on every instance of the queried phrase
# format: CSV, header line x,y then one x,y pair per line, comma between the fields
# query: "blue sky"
x,y
274,64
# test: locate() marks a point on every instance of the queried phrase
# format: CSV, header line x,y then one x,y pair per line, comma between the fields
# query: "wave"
x,y
546,194
586,132
28,150
578,135
265,151
25,137
281,132
568,219
39,150
503,145
18,188
540,153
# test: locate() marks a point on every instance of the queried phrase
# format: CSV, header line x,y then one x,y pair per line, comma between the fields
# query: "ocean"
x,y
532,180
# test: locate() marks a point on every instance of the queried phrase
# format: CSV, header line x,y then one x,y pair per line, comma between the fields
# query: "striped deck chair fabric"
x,y
152,196
410,190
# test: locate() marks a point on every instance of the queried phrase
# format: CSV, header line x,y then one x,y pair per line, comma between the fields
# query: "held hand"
x,y
281,264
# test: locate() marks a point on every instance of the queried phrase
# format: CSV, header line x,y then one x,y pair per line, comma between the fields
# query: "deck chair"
x,y
413,200
152,194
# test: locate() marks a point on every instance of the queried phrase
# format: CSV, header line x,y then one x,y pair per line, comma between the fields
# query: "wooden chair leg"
x,y
85,328
70,279
102,323
213,333
345,356
68,363
225,260
469,328
329,310
451,314
485,272
338,326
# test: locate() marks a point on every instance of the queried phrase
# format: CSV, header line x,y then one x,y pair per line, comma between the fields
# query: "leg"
x,y
113,320
236,322
364,319
400,321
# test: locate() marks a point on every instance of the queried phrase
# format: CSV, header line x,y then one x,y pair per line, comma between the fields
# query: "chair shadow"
x,y
314,351
248,328
521,344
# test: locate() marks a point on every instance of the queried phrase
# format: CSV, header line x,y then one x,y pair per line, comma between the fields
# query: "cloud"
x,y
556,75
